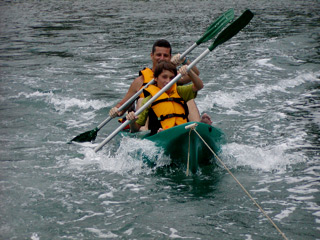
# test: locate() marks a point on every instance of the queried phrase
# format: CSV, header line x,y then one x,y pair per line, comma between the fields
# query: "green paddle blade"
x,y
233,29
217,26
86,136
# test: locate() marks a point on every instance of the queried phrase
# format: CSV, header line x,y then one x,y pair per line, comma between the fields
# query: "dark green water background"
x,y
64,64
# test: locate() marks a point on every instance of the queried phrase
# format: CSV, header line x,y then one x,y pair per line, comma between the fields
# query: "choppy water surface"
x,y
65,63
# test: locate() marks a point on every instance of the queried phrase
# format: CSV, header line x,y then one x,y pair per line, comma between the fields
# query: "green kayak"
x,y
175,142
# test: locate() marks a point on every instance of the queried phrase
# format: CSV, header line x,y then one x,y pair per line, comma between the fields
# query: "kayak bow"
x,y
185,147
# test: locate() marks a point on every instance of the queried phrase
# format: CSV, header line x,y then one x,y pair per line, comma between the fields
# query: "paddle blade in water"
x,y
217,26
86,136
233,29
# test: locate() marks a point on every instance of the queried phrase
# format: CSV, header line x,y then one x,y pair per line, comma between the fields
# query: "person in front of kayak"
x,y
161,50
170,108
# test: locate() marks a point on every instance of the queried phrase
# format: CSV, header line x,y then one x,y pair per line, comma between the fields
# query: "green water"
x,y
64,64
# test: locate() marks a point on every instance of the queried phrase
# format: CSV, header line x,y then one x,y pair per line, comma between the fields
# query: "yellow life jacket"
x,y
147,77
169,109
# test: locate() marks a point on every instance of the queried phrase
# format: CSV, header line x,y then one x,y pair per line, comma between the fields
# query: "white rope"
x,y
265,214
187,172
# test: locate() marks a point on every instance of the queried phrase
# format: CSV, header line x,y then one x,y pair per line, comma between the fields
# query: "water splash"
x,y
269,159
132,156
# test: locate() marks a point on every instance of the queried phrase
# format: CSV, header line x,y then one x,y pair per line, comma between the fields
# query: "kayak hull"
x,y
184,146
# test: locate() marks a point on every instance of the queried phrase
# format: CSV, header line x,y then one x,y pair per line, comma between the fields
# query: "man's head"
x,y
161,43
161,50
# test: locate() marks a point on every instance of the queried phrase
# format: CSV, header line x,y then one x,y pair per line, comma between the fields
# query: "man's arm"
x,y
185,79
133,89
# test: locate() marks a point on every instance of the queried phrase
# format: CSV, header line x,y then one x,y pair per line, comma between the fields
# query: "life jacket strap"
x,y
177,100
162,117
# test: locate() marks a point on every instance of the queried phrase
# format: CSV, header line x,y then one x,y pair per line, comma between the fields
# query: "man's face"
x,y
160,53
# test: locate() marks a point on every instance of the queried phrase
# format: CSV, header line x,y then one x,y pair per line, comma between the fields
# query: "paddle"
x,y
228,33
212,31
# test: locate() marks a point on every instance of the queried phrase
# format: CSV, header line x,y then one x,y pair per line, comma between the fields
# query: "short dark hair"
x,y
161,43
165,65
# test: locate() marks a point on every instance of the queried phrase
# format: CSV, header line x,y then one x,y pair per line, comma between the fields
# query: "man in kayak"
x,y
170,108
161,50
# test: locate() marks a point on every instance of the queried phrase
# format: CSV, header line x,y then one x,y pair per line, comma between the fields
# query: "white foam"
x,y
234,97
174,234
284,213
129,231
265,62
129,157
35,236
305,189
259,158
35,94
105,195
62,104
101,234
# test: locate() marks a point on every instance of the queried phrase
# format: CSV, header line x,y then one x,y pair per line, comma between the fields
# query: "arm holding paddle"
x,y
197,82
133,89
177,60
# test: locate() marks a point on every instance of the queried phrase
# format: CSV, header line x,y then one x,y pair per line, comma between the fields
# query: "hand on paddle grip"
x,y
176,59
183,70
114,112
131,116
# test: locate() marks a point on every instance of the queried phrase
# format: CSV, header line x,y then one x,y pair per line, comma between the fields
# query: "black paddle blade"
x,y
233,29
88,136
